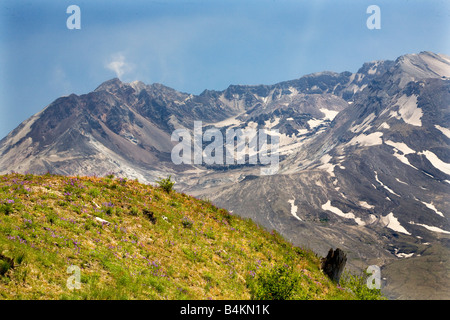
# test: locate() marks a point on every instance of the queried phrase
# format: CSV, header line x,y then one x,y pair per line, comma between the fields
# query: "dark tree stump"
x,y
333,264
149,215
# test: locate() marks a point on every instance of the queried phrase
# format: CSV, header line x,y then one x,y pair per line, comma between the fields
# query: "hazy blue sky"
x,y
197,44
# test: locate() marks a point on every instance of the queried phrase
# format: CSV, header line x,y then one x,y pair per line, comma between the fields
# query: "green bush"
x,y
4,266
276,283
52,218
6,208
94,192
186,222
358,285
166,184
226,215
134,211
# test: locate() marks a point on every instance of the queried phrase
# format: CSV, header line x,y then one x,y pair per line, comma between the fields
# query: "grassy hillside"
x,y
136,241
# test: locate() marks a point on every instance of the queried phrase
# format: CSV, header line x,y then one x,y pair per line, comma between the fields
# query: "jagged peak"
x,y
137,85
322,73
426,64
107,85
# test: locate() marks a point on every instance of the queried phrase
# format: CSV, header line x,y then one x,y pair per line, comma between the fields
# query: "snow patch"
x,y
431,228
444,131
326,165
102,220
314,123
251,125
402,255
372,70
409,111
364,204
372,218
287,144
404,159
294,209
233,121
364,126
269,124
293,91
329,114
398,180
337,211
364,140
384,186
436,162
432,207
404,149
391,222
400,146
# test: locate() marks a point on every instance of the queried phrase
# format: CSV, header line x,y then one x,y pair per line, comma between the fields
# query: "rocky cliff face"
x,y
364,157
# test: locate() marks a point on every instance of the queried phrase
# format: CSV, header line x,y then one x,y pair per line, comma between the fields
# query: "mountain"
x,y
364,158
126,127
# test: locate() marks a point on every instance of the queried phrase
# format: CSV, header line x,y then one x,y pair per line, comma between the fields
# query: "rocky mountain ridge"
x,y
364,157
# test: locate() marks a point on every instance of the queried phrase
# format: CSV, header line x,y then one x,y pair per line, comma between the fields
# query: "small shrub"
x,y
5,264
134,237
94,192
277,283
110,175
226,215
72,189
174,204
134,211
157,284
4,267
166,184
208,276
6,208
257,246
122,181
89,224
28,176
186,222
210,234
358,285
62,203
52,218
109,211
193,255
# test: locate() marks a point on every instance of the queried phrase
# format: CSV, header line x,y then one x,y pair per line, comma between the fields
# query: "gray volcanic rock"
x,y
374,182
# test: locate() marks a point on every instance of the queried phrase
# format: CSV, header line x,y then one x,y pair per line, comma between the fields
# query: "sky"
x,y
193,45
